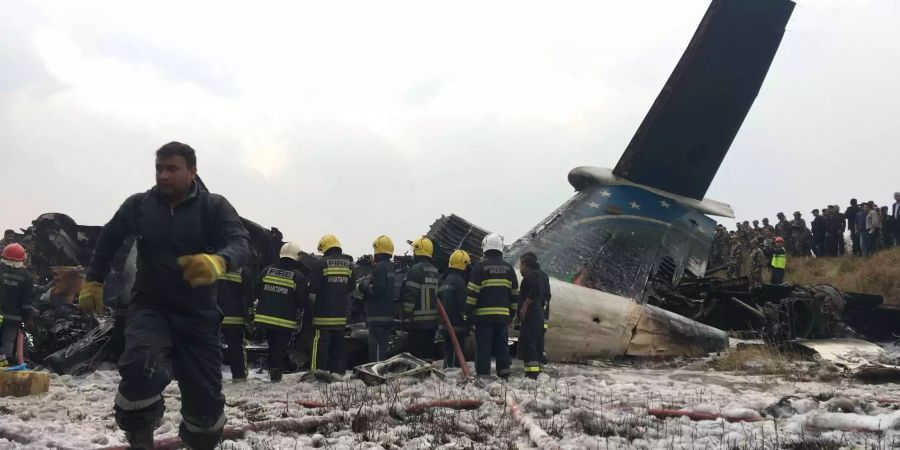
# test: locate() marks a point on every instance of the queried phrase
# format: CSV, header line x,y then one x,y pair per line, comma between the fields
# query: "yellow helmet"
x,y
423,247
459,260
383,245
328,242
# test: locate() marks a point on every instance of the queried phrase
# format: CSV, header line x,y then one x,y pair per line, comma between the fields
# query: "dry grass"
x,y
756,360
879,274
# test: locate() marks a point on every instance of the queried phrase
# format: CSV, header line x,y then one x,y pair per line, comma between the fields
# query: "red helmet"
x,y
779,240
14,252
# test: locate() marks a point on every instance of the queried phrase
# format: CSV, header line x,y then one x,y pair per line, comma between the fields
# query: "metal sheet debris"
x,y
399,366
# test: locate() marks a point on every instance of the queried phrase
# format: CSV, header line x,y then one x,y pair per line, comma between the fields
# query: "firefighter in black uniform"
x,y
545,282
282,296
330,284
531,315
419,294
379,296
452,294
16,300
493,291
187,239
547,296
235,291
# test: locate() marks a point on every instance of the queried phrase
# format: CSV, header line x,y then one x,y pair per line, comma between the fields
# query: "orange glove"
x,y
202,269
90,299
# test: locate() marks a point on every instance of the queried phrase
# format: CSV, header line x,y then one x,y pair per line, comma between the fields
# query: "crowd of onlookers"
x,y
872,228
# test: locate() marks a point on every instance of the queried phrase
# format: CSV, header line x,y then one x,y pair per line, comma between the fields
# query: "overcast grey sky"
x,y
366,118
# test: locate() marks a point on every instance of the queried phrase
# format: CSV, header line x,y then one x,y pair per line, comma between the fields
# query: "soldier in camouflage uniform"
x,y
720,246
768,231
758,263
783,229
746,236
736,259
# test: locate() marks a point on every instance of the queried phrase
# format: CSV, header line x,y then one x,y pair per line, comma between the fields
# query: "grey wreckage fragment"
x,y
398,366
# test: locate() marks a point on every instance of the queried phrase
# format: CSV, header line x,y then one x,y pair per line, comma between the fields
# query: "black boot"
x,y
275,375
141,439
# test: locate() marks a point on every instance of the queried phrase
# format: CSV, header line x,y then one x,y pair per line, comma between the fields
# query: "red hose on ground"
x,y
454,404
663,413
456,348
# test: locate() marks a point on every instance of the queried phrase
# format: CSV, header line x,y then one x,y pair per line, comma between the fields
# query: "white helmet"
x,y
492,241
290,250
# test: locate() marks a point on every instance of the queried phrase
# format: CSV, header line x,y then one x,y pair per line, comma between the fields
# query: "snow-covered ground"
x,y
581,406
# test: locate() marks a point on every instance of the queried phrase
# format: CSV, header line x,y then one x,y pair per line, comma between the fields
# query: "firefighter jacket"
x,y
235,292
419,294
545,282
452,294
201,223
532,288
493,290
330,285
16,294
282,294
380,296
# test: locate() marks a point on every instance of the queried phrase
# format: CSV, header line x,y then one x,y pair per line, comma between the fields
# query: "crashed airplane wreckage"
x,y
627,254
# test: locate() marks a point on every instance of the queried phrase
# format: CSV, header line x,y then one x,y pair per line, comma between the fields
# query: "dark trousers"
x,y
160,345
492,341
328,351
819,247
777,276
420,342
277,340
449,352
530,337
379,332
234,350
857,249
542,352
9,332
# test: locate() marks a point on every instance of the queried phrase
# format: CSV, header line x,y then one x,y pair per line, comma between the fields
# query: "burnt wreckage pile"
x,y
64,338
778,313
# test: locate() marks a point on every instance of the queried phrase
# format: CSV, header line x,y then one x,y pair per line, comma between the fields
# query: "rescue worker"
x,y
282,296
330,284
419,294
531,315
235,292
547,296
16,300
452,295
187,239
379,295
491,303
778,261
757,263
